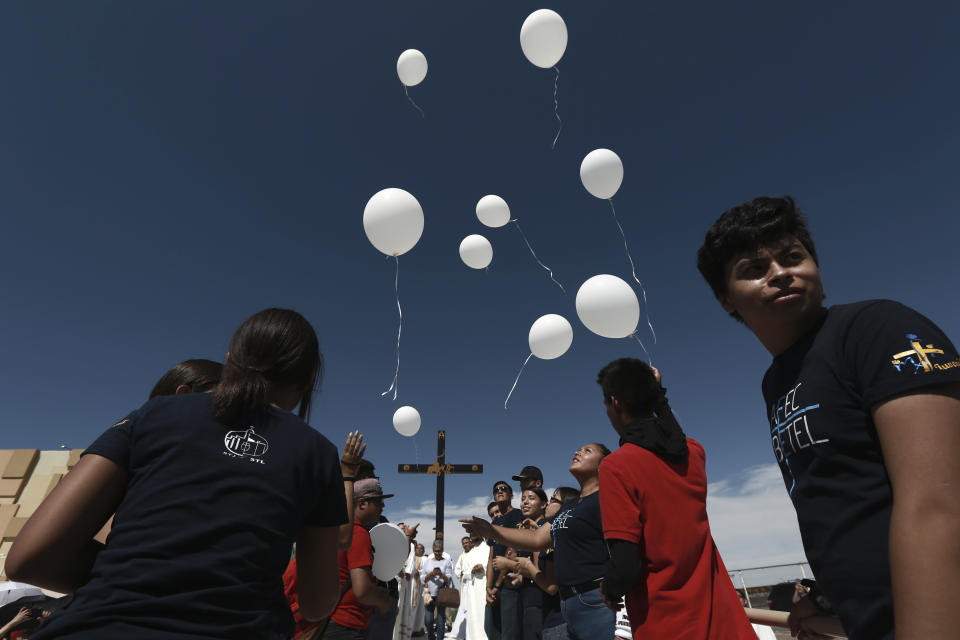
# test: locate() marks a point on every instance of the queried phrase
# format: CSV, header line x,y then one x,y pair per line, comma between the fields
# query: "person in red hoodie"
x,y
653,503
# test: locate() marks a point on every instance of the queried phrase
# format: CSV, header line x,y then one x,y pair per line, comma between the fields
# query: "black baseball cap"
x,y
529,473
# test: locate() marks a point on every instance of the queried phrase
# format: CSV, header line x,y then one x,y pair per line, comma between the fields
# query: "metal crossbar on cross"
x,y
441,468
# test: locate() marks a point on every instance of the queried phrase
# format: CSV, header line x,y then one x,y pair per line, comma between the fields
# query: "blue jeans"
x,y
511,626
587,617
491,621
381,624
436,624
532,623
558,632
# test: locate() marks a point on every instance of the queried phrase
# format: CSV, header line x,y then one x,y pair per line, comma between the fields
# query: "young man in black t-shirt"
x,y
503,615
863,402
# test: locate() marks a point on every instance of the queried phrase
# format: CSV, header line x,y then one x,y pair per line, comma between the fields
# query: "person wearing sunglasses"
x,y
502,617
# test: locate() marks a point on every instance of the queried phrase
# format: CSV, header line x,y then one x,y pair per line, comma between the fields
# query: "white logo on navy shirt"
x,y
560,522
246,444
790,429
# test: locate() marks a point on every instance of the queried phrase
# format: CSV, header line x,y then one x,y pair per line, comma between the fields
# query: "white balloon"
x,y
391,550
476,251
412,67
601,173
493,211
543,38
550,336
406,420
393,221
608,306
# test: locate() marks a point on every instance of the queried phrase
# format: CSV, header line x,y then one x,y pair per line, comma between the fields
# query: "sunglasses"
x,y
502,488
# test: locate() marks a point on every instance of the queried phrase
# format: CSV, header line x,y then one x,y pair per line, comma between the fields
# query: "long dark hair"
x,y
199,375
273,349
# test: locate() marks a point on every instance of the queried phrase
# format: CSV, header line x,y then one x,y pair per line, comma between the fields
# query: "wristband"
x,y
349,478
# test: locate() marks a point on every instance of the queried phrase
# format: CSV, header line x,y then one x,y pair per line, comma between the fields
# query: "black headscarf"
x,y
659,433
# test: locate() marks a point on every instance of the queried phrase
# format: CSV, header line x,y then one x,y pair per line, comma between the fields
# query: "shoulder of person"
x,y
310,436
161,406
866,310
693,445
360,534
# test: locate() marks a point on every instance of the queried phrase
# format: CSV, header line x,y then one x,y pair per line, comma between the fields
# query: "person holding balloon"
x,y
580,553
653,498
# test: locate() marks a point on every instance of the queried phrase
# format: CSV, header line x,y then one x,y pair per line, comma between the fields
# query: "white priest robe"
x,y
411,609
473,592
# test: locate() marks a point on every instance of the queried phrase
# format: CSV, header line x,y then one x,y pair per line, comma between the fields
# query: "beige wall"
x,y
26,477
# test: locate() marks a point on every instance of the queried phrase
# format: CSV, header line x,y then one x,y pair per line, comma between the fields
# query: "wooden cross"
x,y
441,468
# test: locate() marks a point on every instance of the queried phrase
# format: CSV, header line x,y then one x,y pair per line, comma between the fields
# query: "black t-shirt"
x,y
203,534
818,397
513,519
529,591
549,605
580,554
552,614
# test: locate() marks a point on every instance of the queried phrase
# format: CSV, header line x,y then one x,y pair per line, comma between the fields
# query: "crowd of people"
x,y
180,519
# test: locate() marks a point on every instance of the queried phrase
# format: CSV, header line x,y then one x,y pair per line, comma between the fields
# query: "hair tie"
x,y
245,367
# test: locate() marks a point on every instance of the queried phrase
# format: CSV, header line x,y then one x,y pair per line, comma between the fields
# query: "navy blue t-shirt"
x,y
529,591
513,519
552,614
532,595
818,396
580,554
203,534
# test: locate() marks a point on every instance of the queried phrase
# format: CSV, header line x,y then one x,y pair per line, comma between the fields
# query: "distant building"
x,y
27,476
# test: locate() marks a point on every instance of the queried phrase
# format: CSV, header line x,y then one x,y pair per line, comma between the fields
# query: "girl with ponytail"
x,y
210,492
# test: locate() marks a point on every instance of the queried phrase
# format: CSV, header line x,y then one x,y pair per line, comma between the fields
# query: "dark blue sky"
x,y
167,169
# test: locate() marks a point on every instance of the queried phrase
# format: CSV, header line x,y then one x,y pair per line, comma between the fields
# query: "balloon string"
x,y
517,380
549,270
396,289
415,105
556,107
649,359
633,270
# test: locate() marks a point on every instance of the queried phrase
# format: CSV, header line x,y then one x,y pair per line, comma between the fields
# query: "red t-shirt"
x,y
350,613
684,590
290,590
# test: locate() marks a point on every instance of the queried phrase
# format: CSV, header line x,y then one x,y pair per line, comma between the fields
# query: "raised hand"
x,y
410,531
353,450
530,523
